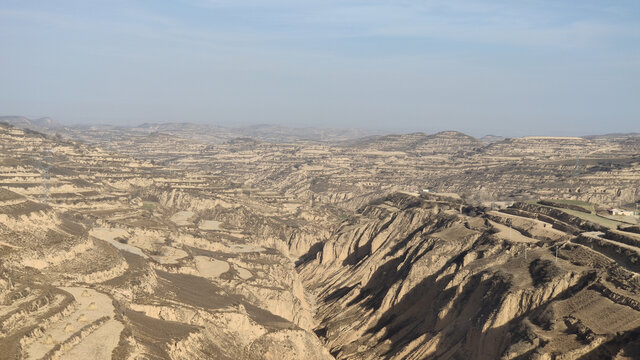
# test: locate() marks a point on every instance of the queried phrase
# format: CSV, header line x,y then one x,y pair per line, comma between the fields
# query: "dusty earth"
x,y
250,250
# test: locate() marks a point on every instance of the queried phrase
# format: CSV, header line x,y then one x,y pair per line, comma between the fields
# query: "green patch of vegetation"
x,y
612,224
149,205
592,217
319,185
583,204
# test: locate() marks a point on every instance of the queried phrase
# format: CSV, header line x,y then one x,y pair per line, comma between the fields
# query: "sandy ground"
x,y
109,235
410,193
591,308
246,248
170,255
534,226
243,273
99,344
91,305
449,195
623,218
211,267
2,243
507,233
598,235
182,218
209,225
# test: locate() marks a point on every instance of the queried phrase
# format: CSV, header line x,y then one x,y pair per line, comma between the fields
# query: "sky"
x,y
511,67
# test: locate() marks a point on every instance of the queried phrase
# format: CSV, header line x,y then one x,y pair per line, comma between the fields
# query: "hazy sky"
x,y
511,67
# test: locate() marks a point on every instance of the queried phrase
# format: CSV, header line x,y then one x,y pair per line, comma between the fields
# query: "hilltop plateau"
x,y
598,169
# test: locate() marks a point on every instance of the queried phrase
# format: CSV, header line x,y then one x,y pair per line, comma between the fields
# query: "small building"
x,y
621,212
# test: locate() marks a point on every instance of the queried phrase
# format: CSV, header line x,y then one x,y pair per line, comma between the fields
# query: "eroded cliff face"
x,y
109,262
410,278
107,289
109,257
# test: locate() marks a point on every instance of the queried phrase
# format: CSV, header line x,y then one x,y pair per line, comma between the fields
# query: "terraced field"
x,y
250,250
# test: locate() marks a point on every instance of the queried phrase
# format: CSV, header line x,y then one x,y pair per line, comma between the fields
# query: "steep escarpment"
x,y
419,278
107,257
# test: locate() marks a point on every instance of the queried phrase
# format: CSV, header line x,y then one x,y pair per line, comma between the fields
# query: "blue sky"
x,y
482,67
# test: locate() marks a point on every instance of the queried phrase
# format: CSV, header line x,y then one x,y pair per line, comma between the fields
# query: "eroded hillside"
x,y
410,278
603,170
252,250
106,257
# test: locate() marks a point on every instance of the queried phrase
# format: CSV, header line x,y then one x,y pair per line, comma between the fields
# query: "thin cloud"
x,y
357,62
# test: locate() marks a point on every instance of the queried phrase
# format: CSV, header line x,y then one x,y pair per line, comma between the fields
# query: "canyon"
x,y
173,242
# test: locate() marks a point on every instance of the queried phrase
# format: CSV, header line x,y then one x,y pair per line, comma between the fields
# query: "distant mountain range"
x,y
215,134
269,133
204,133
41,124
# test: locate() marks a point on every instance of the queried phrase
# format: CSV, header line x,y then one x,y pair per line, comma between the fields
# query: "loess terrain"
x,y
146,243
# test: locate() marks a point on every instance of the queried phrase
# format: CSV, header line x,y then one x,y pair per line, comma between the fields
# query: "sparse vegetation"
x,y
148,205
195,268
122,240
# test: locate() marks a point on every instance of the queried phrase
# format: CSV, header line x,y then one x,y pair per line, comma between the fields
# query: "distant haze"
x,y
507,68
